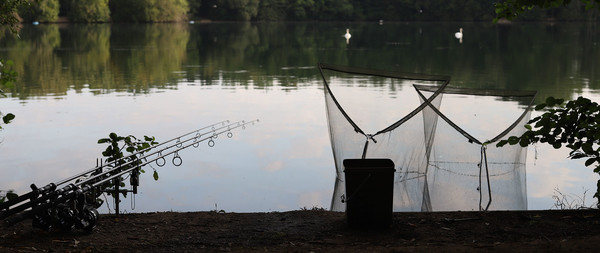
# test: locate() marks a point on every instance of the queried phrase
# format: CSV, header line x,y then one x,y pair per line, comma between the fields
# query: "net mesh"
x,y
438,137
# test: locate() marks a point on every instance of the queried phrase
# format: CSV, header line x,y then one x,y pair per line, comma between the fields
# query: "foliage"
x,y
576,125
511,9
148,10
246,10
243,9
194,7
40,10
89,11
8,12
570,201
134,146
364,10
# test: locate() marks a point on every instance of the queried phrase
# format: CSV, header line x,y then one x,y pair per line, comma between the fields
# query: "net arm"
x,y
337,104
437,111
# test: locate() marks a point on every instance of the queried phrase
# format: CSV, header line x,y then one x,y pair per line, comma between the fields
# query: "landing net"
x,y
438,149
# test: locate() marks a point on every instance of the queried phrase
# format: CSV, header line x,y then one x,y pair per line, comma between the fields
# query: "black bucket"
x,y
369,192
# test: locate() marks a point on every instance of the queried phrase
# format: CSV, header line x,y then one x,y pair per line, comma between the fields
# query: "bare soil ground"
x,y
318,231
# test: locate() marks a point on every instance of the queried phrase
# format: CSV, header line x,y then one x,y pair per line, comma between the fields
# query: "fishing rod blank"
x,y
50,195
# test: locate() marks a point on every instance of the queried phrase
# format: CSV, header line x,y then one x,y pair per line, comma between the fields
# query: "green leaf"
x,y
590,161
523,142
104,140
553,102
8,117
155,175
501,143
513,140
113,136
540,107
587,148
130,149
528,127
11,195
557,145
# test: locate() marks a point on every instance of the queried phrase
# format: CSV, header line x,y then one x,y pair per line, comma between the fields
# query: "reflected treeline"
x,y
556,59
51,59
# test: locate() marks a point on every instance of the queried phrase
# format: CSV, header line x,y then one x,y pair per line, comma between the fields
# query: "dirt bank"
x,y
318,231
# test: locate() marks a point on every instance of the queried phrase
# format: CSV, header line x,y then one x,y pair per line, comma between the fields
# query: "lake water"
x,y
78,83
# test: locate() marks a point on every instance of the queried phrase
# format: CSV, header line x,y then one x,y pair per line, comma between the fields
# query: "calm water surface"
x,y
78,83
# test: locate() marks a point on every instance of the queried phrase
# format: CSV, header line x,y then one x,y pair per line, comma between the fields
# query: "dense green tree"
x,y
242,9
8,12
338,10
40,10
271,10
89,11
195,7
373,10
511,9
148,10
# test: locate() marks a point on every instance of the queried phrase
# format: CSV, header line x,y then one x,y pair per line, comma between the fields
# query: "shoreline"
x,y
319,231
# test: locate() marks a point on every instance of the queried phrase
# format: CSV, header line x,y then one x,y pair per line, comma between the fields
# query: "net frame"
x,y
483,161
369,137
413,181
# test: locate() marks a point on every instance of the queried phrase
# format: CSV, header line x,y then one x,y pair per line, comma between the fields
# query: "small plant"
x,y
575,124
314,208
134,146
570,201
114,154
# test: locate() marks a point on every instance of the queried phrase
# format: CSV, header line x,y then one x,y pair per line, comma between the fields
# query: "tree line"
x,y
285,10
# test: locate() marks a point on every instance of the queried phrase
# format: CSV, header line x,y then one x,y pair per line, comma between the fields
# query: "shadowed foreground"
x,y
318,231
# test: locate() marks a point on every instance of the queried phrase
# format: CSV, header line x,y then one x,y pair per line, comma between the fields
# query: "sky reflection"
x,y
282,163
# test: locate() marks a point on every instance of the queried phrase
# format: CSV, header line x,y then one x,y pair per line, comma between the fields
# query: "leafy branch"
x,y
134,146
575,124
510,9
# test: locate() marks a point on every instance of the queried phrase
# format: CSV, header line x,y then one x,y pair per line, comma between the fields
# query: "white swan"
x,y
347,36
459,35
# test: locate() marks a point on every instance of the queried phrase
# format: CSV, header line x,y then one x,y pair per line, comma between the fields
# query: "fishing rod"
x,y
214,133
75,205
35,191
179,146
197,131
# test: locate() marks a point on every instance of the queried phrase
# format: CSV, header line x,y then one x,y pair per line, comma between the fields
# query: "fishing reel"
x,y
75,213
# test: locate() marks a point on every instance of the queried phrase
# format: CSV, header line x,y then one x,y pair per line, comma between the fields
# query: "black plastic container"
x,y
369,192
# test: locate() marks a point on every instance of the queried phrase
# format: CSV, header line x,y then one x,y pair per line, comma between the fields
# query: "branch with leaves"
x,y
511,9
134,146
575,125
